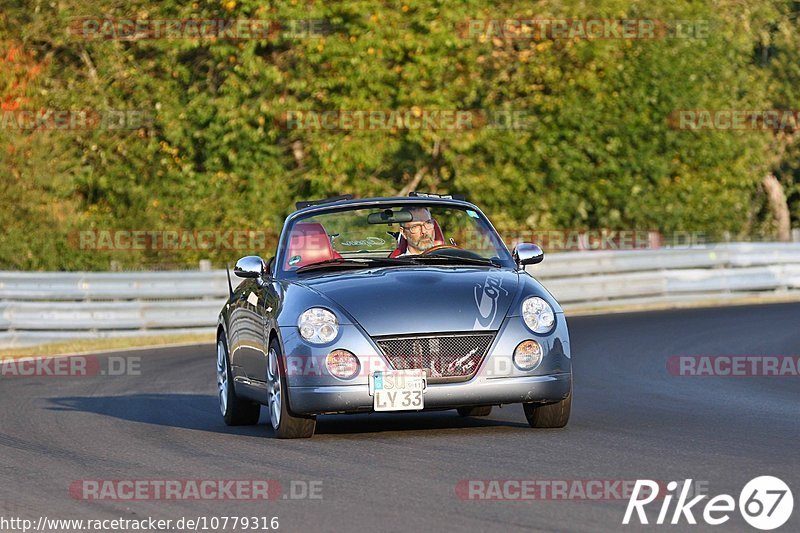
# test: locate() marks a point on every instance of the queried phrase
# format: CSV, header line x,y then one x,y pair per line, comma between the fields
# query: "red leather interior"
x,y
311,243
402,245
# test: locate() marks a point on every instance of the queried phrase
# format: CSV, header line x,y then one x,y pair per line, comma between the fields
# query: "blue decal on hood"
x,y
486,296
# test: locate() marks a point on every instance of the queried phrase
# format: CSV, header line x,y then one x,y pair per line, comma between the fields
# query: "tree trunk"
x,y
298,152
778,206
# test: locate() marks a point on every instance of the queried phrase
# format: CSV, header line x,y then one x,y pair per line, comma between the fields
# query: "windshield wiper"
x,y
452,259
360,262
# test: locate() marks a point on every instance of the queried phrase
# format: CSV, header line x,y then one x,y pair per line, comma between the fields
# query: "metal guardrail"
x,y
611,279
42,307
37,307
61,286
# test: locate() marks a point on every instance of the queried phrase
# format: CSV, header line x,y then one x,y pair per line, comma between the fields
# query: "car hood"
x,y
405,300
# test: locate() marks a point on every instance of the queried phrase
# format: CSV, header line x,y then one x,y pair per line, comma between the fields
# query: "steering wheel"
x,y
439,247
458,252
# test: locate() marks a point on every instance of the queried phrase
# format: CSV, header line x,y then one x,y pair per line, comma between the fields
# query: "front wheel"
x,y
235,411
551,415
285,424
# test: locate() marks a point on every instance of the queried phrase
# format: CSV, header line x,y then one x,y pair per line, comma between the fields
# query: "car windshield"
x,y
389,235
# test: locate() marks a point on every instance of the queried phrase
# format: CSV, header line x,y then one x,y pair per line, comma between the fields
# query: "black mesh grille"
x,y
446,358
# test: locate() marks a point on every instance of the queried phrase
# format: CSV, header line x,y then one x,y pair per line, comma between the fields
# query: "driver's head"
x,y
419,232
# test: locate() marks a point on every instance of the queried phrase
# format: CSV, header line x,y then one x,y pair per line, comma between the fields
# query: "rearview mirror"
x,y
528,254
250,266
387,216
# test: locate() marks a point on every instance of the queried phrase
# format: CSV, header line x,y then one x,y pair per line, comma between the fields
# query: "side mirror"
x,y
528,254
250,266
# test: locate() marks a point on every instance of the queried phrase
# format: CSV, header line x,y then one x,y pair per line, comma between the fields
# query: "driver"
x,y
420,232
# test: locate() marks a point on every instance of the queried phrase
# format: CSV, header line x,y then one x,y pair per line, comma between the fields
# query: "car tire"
x,y
551,415
475,410
285,424
235,411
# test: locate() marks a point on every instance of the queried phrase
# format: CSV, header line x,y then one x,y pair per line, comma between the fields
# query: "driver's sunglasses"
x,y
416,228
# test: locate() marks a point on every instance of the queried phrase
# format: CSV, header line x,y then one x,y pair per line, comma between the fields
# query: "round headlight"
x,y
318,325
342,364
538,315
528,355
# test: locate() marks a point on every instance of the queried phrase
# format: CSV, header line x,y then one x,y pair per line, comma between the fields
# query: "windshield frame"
x,y
507,260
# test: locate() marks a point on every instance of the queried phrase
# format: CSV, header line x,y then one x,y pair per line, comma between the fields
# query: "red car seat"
x,y
310,242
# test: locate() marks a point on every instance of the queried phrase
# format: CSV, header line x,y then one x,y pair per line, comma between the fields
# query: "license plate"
x,y
398,390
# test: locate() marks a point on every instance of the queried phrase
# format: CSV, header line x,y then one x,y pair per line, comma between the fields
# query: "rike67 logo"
x,y
765,503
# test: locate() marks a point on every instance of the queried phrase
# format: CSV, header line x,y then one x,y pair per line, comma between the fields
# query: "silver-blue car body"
x,y
346,310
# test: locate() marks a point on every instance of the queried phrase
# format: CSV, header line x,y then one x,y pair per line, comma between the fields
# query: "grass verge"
x,y
105,345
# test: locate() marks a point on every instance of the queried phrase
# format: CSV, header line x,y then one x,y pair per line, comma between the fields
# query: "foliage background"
x,y
600,153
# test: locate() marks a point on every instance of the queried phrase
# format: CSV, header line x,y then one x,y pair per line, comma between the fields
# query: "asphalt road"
x,y
631,419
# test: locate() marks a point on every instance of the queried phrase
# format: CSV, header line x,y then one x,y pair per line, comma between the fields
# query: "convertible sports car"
x,y
391,304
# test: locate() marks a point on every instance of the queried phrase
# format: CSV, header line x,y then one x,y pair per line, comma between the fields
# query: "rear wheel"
x,y
551,415
475,410
235,411
285,424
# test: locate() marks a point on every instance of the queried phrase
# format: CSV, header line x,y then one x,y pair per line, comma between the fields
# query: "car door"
x,y
259,307
238,327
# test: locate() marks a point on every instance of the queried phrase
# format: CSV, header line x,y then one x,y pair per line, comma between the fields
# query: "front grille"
x,y
446,358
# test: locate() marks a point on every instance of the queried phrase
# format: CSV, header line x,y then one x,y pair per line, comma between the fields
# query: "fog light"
x,y
342,364
528,355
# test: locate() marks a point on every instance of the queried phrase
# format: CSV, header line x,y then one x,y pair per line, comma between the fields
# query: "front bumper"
x,y
312,390
478,391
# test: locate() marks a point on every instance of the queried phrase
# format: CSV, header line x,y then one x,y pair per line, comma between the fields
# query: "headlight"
x,y
342,364
528,355
538,315
318,325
